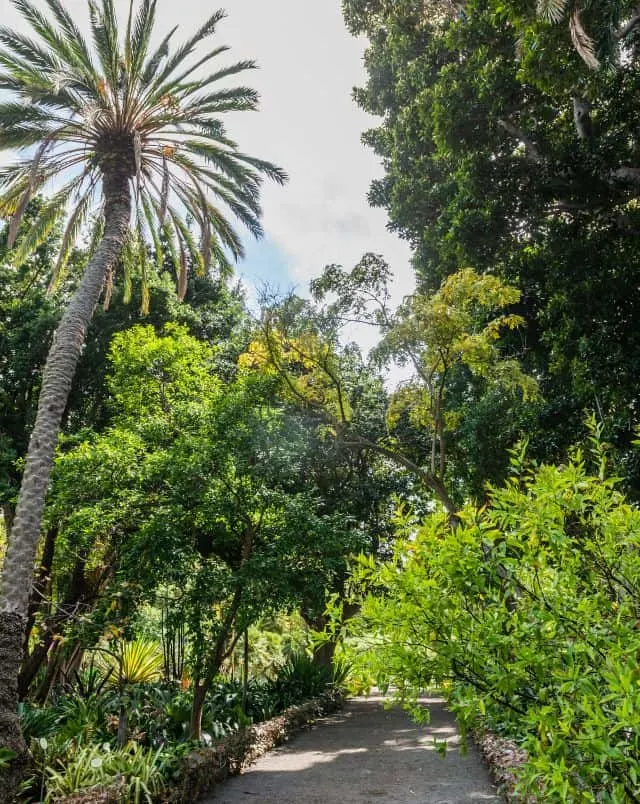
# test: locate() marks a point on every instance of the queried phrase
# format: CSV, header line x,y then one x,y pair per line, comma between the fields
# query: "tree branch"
x,y
626,29
531,148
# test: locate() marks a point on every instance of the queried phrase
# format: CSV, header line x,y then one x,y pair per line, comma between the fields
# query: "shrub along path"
x,y
366,754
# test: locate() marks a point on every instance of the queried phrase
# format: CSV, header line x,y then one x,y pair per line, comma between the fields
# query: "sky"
x,y
308,124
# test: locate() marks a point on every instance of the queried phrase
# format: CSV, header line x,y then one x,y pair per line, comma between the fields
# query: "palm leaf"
x,y
164,192
138,662
140,36
582,42
16,218
153,230
160,53
552,10
42,227
70,98
72,230
74,38
187,48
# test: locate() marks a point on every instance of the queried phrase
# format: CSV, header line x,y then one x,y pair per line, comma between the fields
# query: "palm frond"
x,y
42,227
552,10
161,52
270,170
76,221
141,34
188,47
233,69
169,235
164,191
225,268
74,37
28,49
152,227
84,105
43,27
180,79
32,184
582,42
185,236
105,39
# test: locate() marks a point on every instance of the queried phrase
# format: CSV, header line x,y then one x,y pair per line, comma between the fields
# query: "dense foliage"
x,y
485,166
242,514
526,615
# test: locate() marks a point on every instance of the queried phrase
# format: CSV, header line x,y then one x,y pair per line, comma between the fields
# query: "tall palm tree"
x,y
129,136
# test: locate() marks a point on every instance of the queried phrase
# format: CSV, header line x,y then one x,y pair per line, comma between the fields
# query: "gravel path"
x,y
366,754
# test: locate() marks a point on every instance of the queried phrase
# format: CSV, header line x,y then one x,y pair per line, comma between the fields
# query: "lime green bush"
x,y
528,616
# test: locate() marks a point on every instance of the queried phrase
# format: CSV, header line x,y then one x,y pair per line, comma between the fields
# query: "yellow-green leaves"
x,y
308,367
138,662
461,323
458,326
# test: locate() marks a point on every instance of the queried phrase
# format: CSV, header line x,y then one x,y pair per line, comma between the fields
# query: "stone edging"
x,y
503,757
204,768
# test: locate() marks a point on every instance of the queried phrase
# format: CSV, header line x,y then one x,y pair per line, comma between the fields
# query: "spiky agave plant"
x,y
130,134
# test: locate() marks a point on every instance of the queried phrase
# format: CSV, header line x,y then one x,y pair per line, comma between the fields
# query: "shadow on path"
x,y
366,754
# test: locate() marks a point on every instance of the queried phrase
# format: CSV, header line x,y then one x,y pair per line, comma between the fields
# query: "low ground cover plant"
x,y
75,742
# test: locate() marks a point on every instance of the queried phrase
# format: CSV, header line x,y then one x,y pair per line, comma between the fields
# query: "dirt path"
x,y
365,754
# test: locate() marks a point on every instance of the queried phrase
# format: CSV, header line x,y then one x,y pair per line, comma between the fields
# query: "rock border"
x,y
504,758
205,768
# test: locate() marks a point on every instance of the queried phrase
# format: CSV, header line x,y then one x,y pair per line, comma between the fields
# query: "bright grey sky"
x,y
308,124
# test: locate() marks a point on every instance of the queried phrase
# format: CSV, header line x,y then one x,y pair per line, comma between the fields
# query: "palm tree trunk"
x,y
17,576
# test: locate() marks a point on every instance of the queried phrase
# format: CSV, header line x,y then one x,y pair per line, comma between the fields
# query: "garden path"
x,y
366,753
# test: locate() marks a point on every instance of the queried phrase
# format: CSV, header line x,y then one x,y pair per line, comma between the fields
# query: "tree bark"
x,y
11,630
245,671
199,697
201,686
59,370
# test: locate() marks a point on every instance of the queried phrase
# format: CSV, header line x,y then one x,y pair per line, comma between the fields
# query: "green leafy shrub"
x,y
67,719
300,678
139,771
527,615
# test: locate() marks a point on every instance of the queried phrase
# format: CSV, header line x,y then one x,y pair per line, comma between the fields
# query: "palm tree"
x,y
130,136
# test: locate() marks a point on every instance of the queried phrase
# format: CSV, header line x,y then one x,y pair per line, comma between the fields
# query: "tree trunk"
x,y
59,370
323,654
245,671
33,662
212,668
122,726
55,658
11,629
8,512
199,697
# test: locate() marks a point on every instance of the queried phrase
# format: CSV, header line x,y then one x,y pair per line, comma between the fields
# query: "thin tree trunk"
x,y
201,686
199,697
55,657
8,512
245,671
33,662
41,583
17,577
